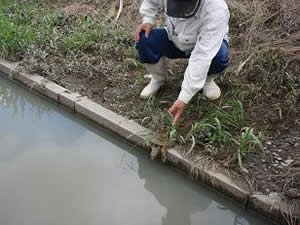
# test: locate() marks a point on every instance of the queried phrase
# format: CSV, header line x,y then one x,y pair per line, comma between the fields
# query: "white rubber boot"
x,y
211,90
158,75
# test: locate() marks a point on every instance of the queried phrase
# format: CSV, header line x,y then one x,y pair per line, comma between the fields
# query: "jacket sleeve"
x,y
209,41
149,10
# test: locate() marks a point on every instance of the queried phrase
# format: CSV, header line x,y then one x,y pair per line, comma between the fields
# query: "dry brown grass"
x,y
256,23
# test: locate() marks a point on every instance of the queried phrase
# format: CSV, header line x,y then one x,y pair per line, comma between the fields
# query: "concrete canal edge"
x,y
270,206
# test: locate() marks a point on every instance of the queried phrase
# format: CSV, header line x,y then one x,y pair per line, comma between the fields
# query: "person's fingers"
x,y
139,29
177,111
148,31
143,27
177,117
137,33
171,111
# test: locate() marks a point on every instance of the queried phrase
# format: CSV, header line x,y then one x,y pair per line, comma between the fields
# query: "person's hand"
x,y
147,27
177,110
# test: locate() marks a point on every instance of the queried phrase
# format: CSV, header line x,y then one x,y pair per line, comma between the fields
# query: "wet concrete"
x,y
58,169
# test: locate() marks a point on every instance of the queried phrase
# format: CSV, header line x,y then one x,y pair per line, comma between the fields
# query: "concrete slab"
x,y
33,81
230,185
114,122
174,156
6,67
274,208
212,175
136,133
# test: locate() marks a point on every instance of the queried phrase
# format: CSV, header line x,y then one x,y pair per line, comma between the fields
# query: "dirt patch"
x,y
277,170
79,10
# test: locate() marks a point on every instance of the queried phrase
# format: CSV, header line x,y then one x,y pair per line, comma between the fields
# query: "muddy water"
x,y
56,169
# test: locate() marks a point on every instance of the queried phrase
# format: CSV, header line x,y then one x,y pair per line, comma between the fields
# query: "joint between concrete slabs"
x,y
68,99
129,130
52,90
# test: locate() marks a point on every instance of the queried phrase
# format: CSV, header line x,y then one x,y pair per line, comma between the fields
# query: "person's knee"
x,y
146,52
223,65
222,55
218,66
144,43
221,60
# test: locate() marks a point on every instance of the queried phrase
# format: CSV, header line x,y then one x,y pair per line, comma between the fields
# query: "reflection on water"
x,y
60,170
16,100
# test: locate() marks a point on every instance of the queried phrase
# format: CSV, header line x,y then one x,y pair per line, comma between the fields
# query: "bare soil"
x,y
280,163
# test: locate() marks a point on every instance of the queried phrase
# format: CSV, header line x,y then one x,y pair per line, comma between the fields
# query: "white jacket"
x,y
201,35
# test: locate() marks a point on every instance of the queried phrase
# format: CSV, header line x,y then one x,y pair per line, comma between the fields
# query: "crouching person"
x,y
195,29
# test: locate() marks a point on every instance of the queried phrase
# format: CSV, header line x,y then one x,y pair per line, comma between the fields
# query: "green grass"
x,y
211,133
223,127
16,33
83,36
231,114
24,24
27,23
247,140
227,116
